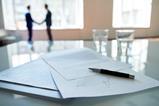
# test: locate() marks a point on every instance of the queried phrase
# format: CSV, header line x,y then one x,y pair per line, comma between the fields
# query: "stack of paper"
x,y
68,73
74,79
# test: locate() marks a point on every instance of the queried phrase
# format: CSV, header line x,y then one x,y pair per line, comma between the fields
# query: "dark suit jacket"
x,y
29,20
48,19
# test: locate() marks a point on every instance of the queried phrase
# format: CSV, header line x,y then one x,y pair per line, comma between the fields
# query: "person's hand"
x,y
39,23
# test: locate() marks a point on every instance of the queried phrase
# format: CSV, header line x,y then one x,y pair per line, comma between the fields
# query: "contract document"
x,y
74,79
66,74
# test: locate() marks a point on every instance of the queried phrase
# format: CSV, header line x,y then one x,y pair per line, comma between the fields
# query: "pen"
x,y
114,73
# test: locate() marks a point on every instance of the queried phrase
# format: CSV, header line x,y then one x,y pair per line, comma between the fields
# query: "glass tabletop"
x,y
142,55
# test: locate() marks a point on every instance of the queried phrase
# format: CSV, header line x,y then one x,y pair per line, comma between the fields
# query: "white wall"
x,y
98,14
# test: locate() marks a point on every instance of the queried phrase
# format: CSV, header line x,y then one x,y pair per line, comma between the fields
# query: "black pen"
x,y
114,73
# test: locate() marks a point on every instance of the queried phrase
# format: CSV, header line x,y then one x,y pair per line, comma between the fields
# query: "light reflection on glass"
x,y
23,58
20,53
136,56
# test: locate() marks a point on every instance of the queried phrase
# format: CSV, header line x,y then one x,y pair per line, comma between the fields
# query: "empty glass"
x,y
124,41
100,37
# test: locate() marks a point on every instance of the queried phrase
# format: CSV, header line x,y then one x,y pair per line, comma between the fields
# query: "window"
x,y
65,13
132,13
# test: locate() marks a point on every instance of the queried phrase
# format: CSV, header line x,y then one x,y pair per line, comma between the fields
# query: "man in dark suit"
x,y
29,24
48,21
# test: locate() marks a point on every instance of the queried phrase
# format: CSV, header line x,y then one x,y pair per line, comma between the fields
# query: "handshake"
x,y
39,23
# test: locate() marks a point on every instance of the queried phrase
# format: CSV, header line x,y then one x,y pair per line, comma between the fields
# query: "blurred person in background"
x,y
48,22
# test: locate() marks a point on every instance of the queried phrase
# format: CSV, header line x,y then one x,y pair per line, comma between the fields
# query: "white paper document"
x,y
73,64
36,73
68,73
74,79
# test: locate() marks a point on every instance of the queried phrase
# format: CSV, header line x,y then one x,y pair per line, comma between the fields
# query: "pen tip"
x,y
94,69
91,68
131,76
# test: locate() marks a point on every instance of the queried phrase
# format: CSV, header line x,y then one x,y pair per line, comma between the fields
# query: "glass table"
x,y
143,56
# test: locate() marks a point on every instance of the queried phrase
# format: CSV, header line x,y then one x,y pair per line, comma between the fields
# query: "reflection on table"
x,y
143,56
